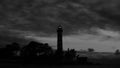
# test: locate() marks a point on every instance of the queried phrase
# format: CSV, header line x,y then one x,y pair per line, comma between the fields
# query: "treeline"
x,y
32,49
36,50
37,53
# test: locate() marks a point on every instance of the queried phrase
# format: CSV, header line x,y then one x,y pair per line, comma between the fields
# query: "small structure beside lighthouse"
x,y
60,40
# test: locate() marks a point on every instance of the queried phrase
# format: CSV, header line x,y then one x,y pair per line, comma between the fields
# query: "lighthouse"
x,y
60,40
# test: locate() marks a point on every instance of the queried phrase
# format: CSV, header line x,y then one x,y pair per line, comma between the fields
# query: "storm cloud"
x,y
26,20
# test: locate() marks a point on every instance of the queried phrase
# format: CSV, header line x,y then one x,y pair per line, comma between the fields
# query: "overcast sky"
x,y
86,24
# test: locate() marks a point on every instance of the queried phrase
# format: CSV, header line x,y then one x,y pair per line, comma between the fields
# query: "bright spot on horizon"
x,y
109,33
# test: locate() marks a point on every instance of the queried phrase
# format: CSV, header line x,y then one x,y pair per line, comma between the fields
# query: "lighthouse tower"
x,y
59,40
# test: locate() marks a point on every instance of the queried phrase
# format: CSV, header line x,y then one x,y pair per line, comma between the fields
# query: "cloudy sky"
x,y
86,23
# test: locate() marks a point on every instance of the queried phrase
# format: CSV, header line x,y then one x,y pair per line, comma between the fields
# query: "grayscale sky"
x,y
86,23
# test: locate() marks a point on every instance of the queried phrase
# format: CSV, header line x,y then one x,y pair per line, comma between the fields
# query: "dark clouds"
x,y
106,8
41,17
47,17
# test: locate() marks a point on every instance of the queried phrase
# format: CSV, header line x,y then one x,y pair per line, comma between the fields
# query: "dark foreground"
x,y
9,65
29,63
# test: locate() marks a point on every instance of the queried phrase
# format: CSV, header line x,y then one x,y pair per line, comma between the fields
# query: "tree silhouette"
x,y
45,49
36,49
70,54
117,52
12,49
91,50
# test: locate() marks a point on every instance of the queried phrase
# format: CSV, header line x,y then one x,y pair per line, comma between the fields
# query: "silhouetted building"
x,y
59,40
